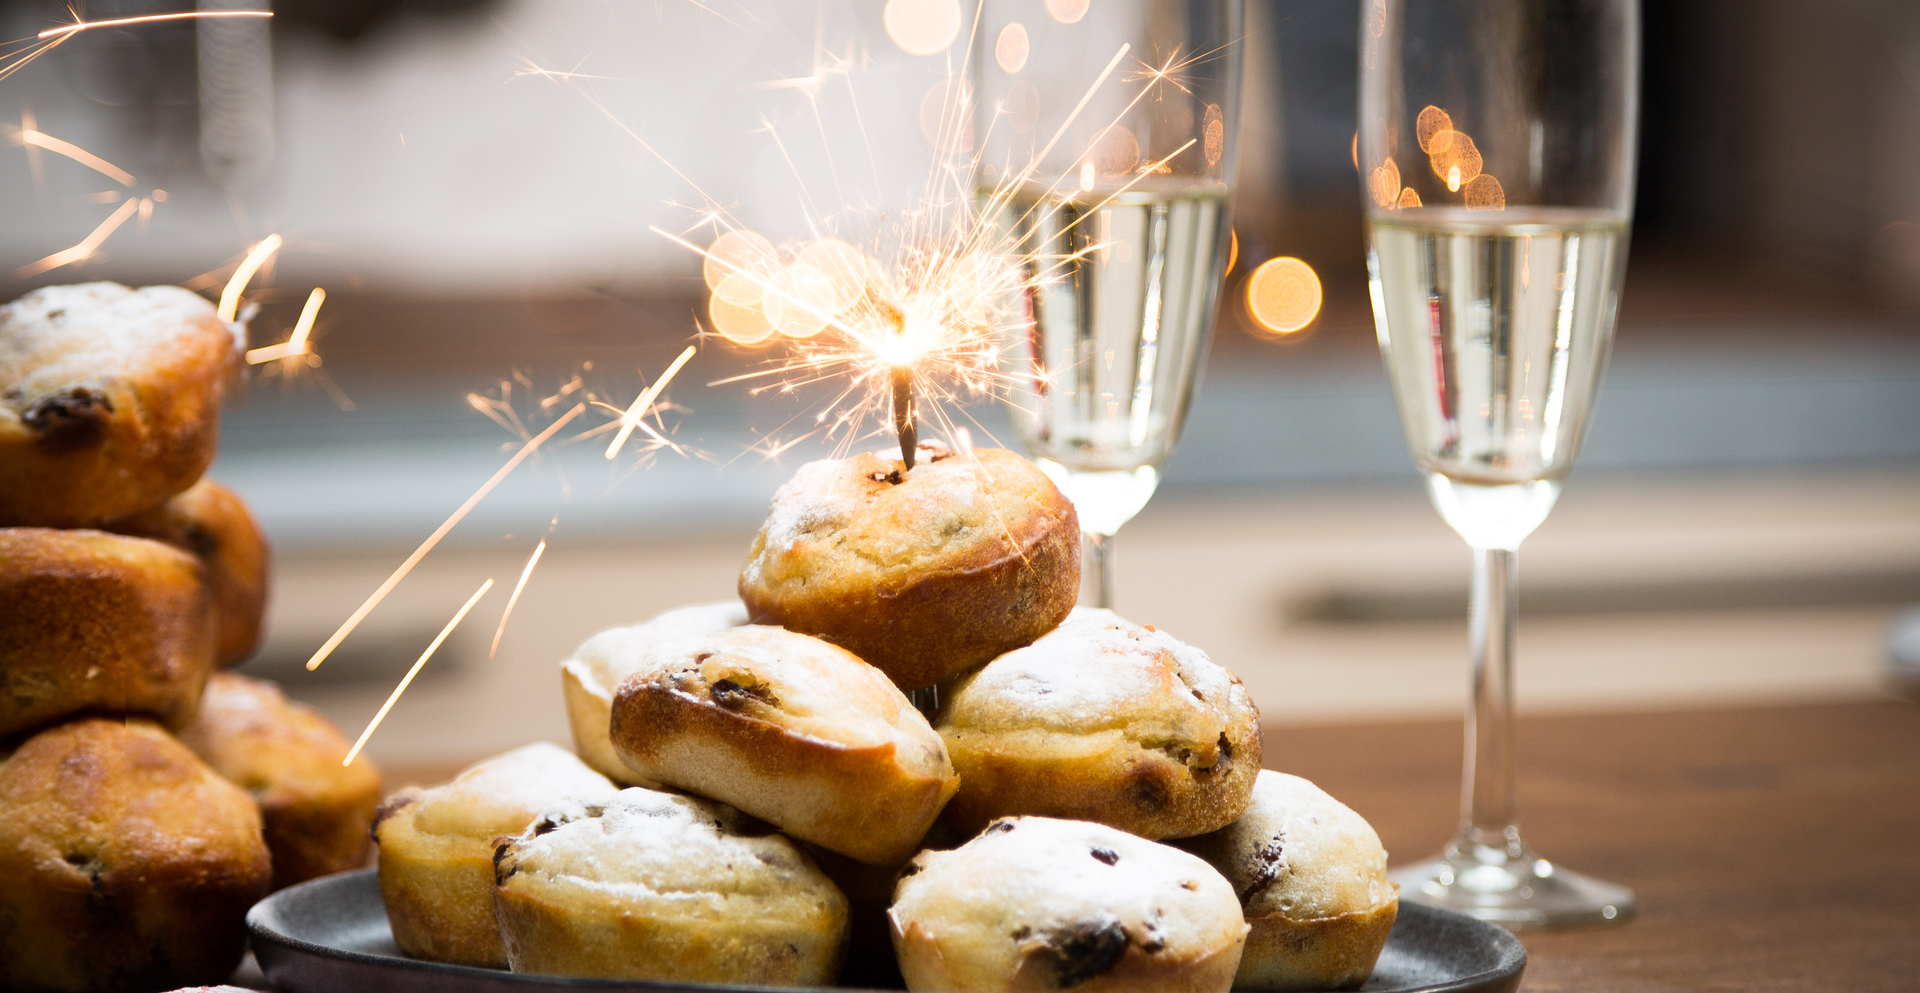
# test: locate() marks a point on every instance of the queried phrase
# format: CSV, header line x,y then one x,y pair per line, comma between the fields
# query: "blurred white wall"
x,y
426,158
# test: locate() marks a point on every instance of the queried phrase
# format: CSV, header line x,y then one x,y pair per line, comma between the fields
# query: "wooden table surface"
x,y
1772,849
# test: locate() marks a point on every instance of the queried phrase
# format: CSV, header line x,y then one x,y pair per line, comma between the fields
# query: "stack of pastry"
x,y
790,817
147,798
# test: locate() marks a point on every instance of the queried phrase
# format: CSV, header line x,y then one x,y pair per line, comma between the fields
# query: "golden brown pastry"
x,y
109,400
1039,904
1103,720
792,730
597,667
436,848
1312,879
99,623
658,886
315,812
925,574
125,863
212,522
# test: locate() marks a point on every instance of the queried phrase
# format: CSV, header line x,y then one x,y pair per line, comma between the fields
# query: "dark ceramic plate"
x,y
331,935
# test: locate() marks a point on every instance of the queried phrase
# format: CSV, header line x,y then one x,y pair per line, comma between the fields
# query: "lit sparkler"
x,y
237,284
407,680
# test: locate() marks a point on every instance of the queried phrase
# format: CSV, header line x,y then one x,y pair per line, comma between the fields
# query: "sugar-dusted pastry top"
x,y
502,794
1297,851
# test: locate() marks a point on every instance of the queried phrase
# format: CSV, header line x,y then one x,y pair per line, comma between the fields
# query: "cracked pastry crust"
x,y
99,623
314,811
1312,878
1103,720
213,523
924,574
109,400
436,848
1034,903
125,863
792,730
589,678
660,887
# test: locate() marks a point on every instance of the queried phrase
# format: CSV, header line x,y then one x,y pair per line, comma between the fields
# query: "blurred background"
x,y
473,181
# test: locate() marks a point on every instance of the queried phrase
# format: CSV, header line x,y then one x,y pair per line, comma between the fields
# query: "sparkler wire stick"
x,y
631,418
230,296
434,539
903,415
515,598
65,30
407,680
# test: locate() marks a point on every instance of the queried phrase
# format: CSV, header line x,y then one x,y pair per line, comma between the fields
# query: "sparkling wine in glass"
x,y
1497,150
1104,171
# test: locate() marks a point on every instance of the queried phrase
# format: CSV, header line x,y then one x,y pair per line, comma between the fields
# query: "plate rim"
x,y
1512,954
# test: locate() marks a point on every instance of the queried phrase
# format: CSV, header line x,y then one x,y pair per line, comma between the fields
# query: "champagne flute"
x,y
1106,141
1496,148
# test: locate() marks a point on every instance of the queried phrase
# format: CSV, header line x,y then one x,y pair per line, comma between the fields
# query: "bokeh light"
x,y
1011,48
922,27
944,121
1485,193
799,301
1117,153
736,251
844,267
1067,11
1214,134
1458,160
1022,106
1432,122
738,324
1284,295
1408,199
1383,184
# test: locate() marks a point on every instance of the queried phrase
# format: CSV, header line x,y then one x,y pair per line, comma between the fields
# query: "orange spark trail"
x,y
66,30
407,680
87,246
515,598
28,136
230,296
297,343
434,539
639,409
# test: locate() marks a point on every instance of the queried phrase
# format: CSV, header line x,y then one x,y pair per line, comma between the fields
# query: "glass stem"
x,y
1096,570
1488,796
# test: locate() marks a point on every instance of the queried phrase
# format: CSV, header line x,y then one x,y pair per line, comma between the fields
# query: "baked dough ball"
x,y
924,574
1035,903
597,667
125,863
1103,720
667,888
792,730
212,522
1312,879
436,848
314,811
109,400
103,623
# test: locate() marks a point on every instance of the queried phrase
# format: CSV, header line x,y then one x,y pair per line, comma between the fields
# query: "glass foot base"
x,y
1517,889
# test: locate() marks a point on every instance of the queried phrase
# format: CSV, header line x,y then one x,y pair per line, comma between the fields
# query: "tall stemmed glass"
x,y
1107,174
1496,147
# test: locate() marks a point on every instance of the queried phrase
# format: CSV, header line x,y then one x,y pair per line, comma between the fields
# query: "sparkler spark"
x,y
230,296
69,30
439,533
87,246
297,343
407,680
36,139
532,561
634,415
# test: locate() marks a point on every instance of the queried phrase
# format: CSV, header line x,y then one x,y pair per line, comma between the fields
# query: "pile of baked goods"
x,y
757,800
147,798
